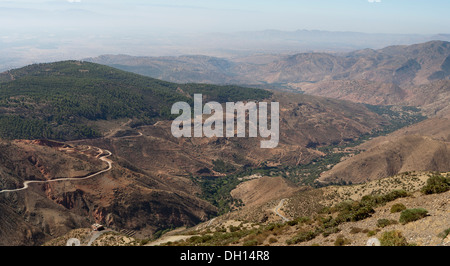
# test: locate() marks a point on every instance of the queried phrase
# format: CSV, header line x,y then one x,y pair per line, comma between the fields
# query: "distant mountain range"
x,y
400,65
392,75
34,46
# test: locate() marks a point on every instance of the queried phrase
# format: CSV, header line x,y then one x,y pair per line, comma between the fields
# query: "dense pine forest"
x,y
56,100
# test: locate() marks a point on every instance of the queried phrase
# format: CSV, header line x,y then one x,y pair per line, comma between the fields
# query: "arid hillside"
x,y
409,153
357,215
305,122
119,198
421,147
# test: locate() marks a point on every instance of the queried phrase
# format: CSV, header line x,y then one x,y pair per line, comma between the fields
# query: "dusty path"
x,y
124,126
121,127
103,158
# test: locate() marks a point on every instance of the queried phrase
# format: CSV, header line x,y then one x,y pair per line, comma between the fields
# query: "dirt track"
x,y
102,158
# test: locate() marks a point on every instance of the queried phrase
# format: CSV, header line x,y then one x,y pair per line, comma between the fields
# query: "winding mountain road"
x,y
103,158
277,208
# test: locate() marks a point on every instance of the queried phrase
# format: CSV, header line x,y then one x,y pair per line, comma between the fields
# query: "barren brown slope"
x,y
434,128
423,146
393,156
434,98
401,65
311,67
259,191
362,91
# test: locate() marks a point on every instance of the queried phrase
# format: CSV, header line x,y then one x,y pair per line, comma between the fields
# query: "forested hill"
x,y
55,100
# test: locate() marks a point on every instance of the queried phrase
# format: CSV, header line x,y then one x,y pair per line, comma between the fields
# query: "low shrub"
x,y
273,240
411,215
377,200
250,243
356,230
329,231
372,233
382,223
302,237
341,241
393,239
436,184
234,228
398,208
299,220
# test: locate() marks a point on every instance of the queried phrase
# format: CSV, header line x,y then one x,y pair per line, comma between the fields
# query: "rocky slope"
x,y
311,211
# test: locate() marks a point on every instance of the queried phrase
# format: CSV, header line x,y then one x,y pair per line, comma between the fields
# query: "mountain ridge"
x,y
395,73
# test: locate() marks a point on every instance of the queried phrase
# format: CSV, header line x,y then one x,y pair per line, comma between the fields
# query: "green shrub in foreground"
x,y
302,237
378,200
393,239
436,184
411,215
341,241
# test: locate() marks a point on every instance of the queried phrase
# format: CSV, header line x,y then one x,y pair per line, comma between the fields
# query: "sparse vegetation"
x,y
299,220
382,223
272,240
329,219
371,233
342,241
247,236
398,118
307,174
250,243
398,208
355,230
379,200
302,237
393,238
445,233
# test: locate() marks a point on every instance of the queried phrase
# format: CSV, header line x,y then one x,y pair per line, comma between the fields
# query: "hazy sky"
x,y
371,16
50,30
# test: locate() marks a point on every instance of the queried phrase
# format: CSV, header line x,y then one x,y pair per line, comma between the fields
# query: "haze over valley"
x,y
86,148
